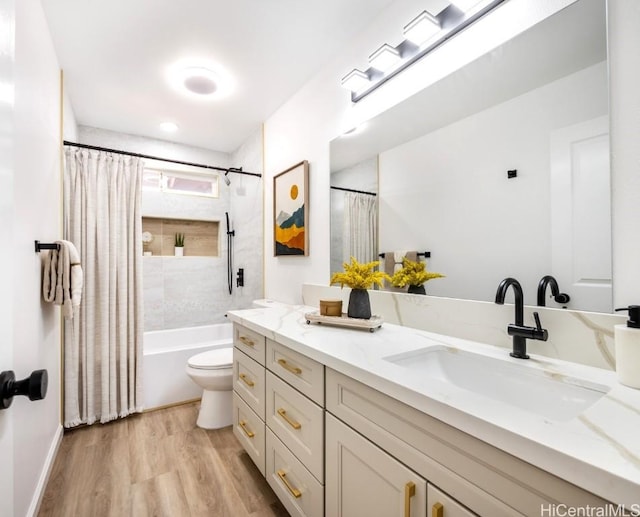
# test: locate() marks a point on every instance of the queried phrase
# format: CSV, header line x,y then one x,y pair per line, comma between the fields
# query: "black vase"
x,y
417,289
359,304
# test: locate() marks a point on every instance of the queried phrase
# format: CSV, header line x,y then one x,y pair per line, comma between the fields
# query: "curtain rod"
x,y
354,190
226,170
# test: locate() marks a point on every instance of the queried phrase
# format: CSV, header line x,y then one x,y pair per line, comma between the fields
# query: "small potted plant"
x,y
414,275
179,245
359,277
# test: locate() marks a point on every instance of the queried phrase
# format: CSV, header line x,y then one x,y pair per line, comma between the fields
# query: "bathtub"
x,y
165,357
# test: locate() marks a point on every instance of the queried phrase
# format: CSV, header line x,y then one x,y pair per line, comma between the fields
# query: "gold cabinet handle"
x,y
437,510
409,492
243,424
246,380
292,423
294,491
287,366
247,341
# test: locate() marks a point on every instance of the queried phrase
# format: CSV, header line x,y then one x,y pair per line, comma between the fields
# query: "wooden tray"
x,y
372,324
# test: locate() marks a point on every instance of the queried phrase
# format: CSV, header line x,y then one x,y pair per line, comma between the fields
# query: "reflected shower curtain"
x,y
103,343
360,227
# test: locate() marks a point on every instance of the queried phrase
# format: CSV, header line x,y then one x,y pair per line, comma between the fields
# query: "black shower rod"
x,y
226,170
345,189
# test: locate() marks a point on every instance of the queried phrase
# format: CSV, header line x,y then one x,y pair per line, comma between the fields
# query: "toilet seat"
x,y
212,360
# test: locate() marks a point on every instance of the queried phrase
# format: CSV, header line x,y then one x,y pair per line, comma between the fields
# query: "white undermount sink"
x,y
551,396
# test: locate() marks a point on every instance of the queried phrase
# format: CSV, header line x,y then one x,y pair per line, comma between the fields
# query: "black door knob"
x,y
34,386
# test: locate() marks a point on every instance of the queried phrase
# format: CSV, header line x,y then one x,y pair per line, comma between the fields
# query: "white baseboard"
x,y
34,507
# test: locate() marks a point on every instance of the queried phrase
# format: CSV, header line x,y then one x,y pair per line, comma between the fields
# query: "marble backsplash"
x,y
576,336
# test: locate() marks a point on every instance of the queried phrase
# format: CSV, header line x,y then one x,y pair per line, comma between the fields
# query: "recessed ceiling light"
x,y
169,127
200,79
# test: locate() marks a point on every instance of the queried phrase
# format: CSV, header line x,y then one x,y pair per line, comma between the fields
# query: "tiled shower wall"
x,y
192,291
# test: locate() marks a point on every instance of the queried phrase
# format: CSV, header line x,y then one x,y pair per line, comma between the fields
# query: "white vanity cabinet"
x,y
440,504
249,393
278,404
362,479
330,445
470,475
295,429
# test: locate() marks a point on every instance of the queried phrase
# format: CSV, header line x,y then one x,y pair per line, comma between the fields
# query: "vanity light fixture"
x,y
355,81
423,34
422,28
465,5
385,58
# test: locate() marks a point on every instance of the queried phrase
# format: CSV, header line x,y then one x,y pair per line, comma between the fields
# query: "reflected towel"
x,y
63,278
393,263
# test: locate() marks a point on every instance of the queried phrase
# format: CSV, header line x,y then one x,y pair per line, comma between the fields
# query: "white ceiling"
x,y
115,54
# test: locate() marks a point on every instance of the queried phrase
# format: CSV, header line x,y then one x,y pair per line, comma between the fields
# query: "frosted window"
x,y
180,183
151,180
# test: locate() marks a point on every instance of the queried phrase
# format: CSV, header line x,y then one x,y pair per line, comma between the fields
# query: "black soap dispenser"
x,y
627,342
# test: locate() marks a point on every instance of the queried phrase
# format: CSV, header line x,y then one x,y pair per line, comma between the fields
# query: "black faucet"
x,y
519,331
555,291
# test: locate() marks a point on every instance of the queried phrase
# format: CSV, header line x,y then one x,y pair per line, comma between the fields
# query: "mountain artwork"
x,y
290,211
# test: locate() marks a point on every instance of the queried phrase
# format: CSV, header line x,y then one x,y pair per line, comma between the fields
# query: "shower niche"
x,y
200,237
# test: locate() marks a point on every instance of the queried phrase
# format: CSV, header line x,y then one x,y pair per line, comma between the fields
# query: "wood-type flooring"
x,y
156,464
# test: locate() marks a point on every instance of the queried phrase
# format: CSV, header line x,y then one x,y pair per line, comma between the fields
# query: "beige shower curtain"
x,y
103,344
360,227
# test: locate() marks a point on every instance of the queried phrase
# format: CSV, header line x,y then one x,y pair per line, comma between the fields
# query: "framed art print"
x,y
291,211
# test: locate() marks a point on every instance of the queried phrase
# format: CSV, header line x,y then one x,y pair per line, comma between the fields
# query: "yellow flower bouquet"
x,y
359,277
413,274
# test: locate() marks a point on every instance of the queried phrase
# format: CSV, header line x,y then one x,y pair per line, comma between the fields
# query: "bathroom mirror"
x,y
500,169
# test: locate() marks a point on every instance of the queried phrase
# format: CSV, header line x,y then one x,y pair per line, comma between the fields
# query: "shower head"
x,y
226,178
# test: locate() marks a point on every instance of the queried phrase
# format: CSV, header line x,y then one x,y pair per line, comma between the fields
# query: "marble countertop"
x,y
598,450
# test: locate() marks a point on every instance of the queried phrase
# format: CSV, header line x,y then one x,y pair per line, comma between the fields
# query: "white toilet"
x,y
213,371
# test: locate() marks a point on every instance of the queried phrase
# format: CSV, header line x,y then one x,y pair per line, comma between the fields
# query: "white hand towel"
x,y
397,260
63,278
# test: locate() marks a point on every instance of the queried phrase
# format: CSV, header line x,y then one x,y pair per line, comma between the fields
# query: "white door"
x,y
581,214
7,59
364,481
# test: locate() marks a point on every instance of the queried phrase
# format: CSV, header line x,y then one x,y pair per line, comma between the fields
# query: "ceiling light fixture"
x,y
423,34
200,79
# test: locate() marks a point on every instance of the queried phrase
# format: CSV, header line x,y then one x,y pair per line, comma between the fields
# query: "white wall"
x,y
37,198
624,81
455,178
247,210
303,127
7,167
